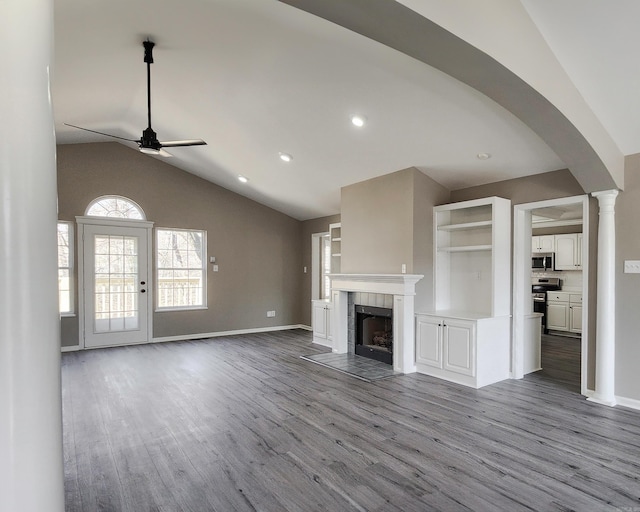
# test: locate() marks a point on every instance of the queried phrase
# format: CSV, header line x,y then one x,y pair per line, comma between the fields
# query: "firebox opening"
x,y
374,333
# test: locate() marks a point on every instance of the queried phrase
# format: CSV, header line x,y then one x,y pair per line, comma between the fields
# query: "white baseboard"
x,y
632,403
198,336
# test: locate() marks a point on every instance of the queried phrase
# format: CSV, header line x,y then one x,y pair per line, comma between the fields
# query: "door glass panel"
x,y
115,284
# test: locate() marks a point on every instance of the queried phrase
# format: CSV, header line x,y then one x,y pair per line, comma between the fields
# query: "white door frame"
x,y
522,304
125,223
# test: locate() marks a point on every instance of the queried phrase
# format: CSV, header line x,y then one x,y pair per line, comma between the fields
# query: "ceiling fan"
x,y
149,142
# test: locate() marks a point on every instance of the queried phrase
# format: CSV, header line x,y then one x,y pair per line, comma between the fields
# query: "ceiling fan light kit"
x,y
149,143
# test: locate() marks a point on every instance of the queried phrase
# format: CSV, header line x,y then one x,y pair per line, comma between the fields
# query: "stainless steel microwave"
x,y
543,261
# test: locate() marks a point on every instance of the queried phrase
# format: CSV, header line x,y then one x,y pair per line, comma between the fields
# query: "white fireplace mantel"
x,y
393,284
402,287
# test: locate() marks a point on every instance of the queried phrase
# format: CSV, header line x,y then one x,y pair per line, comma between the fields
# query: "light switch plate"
x,y
632,266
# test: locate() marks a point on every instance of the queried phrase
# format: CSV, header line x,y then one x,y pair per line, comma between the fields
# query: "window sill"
x,y
67,315
193,308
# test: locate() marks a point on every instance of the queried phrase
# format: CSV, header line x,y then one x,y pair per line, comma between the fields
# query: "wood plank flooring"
x,y
244,424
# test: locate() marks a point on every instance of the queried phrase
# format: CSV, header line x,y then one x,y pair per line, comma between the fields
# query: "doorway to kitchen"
x,y
559,229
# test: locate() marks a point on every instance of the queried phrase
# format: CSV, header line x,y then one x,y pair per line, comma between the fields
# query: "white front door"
x,y
116,288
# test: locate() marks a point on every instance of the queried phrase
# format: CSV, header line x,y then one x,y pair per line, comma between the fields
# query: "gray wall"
x,y
427,194
377,225
259,250
628,285
388,221
551,185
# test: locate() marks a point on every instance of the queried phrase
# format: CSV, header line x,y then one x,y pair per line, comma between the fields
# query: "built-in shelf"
x,y
466,338
472,251
466,225
466,248
335,235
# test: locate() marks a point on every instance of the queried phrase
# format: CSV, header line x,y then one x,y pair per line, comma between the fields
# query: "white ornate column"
x,y
31,471
606,315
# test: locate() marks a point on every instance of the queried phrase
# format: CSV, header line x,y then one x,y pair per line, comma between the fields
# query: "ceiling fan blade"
x,y
100,133
178,143
155,152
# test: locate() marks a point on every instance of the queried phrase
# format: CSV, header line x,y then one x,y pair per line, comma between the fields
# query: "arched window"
x,y
115,207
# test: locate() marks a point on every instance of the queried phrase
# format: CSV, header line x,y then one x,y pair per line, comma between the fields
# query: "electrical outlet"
x,y
632,267
271,314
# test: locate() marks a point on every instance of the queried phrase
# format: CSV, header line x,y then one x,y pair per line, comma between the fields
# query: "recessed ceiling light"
x,y
242,179
483,156
286,157
358,120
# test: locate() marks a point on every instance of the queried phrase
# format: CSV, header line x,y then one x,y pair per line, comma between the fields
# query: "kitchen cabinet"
x,y
321,322
575,312
564,311
558,316
568,249
543,243
472,351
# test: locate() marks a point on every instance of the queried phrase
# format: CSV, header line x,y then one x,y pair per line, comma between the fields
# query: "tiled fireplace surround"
x,y
395,291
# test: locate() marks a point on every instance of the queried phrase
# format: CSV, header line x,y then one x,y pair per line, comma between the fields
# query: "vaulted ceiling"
x,y
257,78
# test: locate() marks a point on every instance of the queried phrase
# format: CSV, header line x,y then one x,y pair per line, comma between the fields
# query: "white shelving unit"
x,y
466,339
335,233
322,309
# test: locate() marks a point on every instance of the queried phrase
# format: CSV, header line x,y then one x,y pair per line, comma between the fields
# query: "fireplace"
x,y
401,288
374,333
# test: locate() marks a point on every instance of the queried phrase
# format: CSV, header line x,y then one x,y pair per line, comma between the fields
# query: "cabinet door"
x,y
566,252
458,342
543,243
547,243
328,321
429,341
575,318
535,244
319,323
558,316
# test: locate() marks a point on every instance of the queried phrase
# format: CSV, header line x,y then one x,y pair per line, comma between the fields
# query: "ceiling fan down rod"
x,y
148,58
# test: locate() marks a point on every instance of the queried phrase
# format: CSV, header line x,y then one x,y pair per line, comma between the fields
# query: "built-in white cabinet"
x,y
470,351
568,249
543,243
321,322
564,311
466,339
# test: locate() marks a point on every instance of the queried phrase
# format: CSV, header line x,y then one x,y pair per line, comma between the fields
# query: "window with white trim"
x,y
115,207
65,267
181,268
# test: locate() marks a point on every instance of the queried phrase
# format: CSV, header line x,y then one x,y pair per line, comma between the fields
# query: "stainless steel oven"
x,y
539,288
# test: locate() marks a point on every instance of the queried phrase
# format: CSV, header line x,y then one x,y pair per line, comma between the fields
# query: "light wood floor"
x,y
242,423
